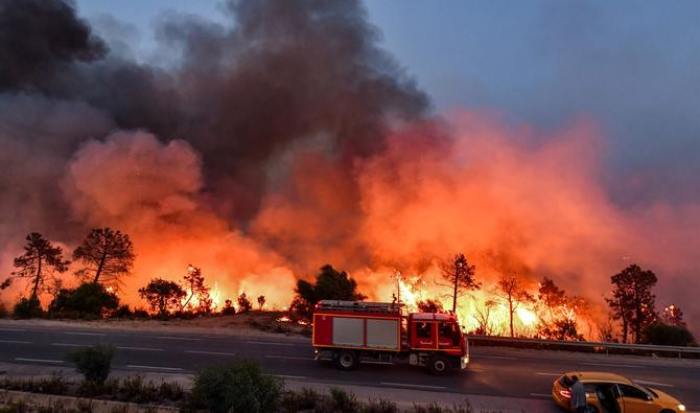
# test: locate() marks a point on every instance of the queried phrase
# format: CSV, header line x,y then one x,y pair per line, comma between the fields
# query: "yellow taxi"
x,y
612,393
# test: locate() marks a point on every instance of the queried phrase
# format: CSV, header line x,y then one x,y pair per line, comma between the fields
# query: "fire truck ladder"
x,y
359,306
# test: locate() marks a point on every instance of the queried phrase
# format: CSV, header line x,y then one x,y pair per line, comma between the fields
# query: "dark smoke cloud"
x,y
38,38
281,73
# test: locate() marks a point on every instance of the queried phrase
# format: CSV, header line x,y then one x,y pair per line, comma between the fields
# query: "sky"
x,y
629,66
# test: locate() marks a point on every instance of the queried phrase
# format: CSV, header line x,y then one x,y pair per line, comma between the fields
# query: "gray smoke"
x,y
281,73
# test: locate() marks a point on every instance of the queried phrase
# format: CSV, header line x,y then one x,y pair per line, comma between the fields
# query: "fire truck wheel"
x,y
347,360
439,365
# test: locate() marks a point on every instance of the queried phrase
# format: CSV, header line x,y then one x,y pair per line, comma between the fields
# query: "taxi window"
x,y
632,392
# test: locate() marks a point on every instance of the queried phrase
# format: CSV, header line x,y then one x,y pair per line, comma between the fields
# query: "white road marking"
x,y
652,383
80,333
15,342
547,395
289,358
39,360
631,366
267,343
179,338
139,348
70,345
547,374
133,366
213,353
416,386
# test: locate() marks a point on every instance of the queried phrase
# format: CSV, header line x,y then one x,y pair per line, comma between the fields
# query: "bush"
x,y
94,363
228,309
140,313
304,400
122,312
380,406
668,335
89,300
343,402
244,304
238,387
28,308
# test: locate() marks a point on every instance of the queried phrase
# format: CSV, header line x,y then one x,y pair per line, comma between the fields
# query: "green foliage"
x,y
343,402
244,304
668,335
162,295
55,384
28,308
89,300
94,363
330,285
237,387
633,301
136,390
436,408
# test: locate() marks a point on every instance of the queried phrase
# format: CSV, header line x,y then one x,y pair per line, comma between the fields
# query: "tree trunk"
x,y
98,272
37,279
454,295
510,308
624,330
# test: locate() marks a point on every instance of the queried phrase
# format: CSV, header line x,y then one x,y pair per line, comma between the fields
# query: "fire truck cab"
x,y
349,333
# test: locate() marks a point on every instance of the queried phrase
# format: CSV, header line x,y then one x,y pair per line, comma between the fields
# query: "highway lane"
x,y
494,371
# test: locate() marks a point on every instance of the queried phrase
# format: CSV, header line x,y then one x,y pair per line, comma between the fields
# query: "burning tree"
x,y
41,260
107,254
261,302
429,306
673,316
162,295
194,282
244,304
331,284
460,274
514,295
560,320
633,302
483,317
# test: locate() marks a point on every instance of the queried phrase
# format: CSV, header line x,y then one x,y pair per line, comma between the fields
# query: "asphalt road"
x,y
494,371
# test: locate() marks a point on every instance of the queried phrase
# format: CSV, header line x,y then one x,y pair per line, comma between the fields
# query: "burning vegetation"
x,y
287,140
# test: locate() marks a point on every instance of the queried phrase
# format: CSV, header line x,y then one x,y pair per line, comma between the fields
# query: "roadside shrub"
x,y
343,402
436,408
668,335
298,401
228,309
380,406
140,313
123,311
237,387
244,304
55,384
89,300
28,308
94,363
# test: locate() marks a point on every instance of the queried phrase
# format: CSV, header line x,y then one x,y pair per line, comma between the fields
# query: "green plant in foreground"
x,y
94,363
237,387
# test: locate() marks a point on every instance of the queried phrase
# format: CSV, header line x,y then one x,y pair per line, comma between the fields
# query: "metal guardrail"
x,y
588,346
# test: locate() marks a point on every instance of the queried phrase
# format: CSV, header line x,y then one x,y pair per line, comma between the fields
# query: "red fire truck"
x,y
352,332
